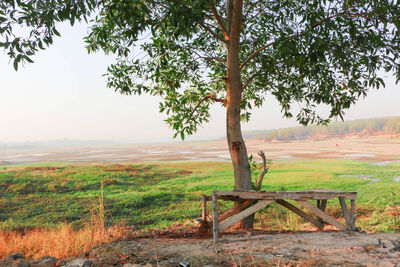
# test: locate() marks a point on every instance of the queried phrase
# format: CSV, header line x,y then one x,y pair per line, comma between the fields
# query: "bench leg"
x,y
215,218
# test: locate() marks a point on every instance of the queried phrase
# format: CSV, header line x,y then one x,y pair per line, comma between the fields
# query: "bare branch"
x,y
219,21
264,171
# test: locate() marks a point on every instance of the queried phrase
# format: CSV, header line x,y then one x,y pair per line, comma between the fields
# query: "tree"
x,y
194,53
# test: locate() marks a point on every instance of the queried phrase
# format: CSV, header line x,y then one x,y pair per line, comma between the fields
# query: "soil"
x,y
255,248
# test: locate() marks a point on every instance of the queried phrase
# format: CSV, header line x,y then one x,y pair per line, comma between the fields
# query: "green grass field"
x,y
148,195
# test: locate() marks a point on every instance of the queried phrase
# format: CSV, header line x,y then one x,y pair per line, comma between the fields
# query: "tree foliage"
x,y
304,53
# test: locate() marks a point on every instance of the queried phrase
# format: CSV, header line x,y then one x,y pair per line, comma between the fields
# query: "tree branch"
x,y
264,171
303,33
219,21
210,96
213,33
249,80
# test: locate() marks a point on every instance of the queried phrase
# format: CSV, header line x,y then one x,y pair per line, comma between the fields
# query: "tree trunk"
x,y
237,147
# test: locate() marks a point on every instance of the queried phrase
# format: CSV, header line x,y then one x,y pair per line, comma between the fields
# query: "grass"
x,y
148,195
61,242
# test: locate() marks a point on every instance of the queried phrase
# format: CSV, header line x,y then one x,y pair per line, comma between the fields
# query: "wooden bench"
x,y
261,199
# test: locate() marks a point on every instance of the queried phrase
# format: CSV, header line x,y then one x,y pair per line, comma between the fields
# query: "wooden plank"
x,y
322,207
301,213
353,213
327,218
236,209
353,208
345,211
215,218
204,208
310,194
243,214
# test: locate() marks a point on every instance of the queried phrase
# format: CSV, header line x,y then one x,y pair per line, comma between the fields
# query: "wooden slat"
x,y
327,218
204,208
236,209
353,213
345,211
243,214
301,213
310,194
353,208
215,218
322,207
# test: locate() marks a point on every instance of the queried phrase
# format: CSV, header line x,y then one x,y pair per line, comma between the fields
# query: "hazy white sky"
x,y
63,95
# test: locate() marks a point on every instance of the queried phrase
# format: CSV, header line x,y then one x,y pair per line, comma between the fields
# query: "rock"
x,y
370,264
79,263
14,256
387,244
385,264
130,265
184,264
20,263
393,255
46,260
60,263
382,250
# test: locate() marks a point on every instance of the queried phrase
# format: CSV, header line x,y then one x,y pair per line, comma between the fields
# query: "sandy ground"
x,y
380,149
331,248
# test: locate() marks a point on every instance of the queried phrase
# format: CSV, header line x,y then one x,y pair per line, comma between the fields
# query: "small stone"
x,y
382,250
20,263
79,263
387,244
184,264
15,256
46,260
370,264
130,265
385,264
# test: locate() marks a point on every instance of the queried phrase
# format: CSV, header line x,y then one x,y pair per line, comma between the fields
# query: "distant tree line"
x,y
374,126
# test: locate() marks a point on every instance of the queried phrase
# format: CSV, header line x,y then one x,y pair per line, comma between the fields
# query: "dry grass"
x,y
60,242
63,241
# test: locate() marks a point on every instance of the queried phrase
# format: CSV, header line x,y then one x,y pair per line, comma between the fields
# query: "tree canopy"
x,y
299,51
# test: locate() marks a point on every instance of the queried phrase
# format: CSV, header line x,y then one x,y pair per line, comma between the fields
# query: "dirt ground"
x,y
379,149
252,248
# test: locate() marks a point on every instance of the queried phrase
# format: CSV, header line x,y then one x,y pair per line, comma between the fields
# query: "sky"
x,y
63,95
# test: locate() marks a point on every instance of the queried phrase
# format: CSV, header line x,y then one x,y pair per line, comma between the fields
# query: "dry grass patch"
x,y
60,242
